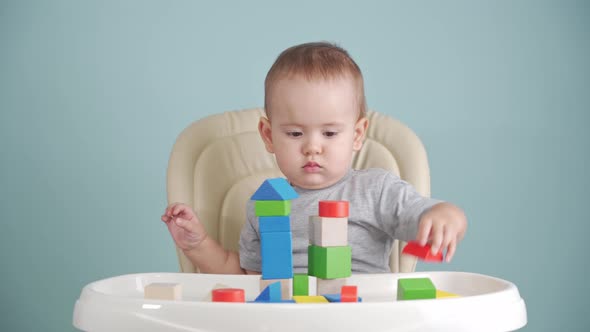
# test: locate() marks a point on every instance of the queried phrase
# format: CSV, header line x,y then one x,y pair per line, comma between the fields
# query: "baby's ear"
x,y
265,130
360,132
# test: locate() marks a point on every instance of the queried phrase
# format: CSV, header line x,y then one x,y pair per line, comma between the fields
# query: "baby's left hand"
x,y
443,226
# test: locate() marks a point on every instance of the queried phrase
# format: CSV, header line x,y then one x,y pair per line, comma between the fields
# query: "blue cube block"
x,y
277,255
274,224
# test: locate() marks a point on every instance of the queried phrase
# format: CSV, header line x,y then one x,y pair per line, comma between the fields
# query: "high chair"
x,y
218,162
215,166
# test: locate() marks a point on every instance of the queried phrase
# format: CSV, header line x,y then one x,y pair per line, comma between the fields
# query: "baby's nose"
x,y
312,147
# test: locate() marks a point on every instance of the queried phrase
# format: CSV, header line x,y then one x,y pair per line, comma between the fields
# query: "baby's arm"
x,y
443,226
211,257
190,236
407,215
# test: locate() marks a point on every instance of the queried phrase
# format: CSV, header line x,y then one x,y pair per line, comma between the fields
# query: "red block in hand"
x,y
333,209
423,252
228,295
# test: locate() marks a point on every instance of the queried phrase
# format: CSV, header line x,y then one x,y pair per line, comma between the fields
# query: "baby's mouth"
x,y
311,167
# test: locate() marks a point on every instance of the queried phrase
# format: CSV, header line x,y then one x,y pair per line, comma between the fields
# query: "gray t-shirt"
x,y
382,208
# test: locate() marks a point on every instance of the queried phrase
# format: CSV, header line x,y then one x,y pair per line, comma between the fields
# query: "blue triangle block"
x,y
332,297
277,189
272,293
336,298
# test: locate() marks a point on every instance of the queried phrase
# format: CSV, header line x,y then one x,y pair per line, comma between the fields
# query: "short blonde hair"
x,y
318,60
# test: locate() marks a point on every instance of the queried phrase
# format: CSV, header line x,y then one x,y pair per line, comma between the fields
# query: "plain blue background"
x,y
93,95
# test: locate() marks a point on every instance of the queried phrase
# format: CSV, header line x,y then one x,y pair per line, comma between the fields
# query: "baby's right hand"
x,y
184,226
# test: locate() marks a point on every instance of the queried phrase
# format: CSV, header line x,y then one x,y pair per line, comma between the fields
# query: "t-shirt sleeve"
x,y
250,258
401,207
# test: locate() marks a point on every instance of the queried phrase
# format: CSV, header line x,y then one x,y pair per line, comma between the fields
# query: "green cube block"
x,y
272,208
415,289
329,262
300,284
310,261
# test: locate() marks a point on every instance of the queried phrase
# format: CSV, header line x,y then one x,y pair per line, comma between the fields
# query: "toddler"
x,y
315,120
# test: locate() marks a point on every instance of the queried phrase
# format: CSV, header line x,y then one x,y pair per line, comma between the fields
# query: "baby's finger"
x,y
451,251
423,231
165,218
169,209
449,236
437,238
178,209
185,224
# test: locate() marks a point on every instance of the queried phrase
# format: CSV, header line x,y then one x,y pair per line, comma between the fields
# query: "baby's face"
x,y
313,130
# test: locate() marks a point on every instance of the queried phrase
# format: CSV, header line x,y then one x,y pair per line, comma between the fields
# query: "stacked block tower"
x,y
273,209
329,255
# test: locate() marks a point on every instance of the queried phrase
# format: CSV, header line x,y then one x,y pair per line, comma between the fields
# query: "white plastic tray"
x,y
117,304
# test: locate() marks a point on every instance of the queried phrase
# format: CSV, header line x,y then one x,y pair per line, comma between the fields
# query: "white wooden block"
x,y
330,286
163,291
328,232
313,285
286,286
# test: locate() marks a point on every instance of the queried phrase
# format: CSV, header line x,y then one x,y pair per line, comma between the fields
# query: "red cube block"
x,y
348,294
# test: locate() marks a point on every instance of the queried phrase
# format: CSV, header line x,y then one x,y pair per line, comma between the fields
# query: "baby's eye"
x,y
330,133
294,133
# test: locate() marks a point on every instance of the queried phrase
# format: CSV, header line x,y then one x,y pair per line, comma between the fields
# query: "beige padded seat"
x,y
219,161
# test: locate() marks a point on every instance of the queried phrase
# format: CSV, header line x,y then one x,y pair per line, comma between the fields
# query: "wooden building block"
x,y
329,262
336,298
272,293
272,208
310,299
163,291
424,253
329,286
334,209
348,294
300,284
328,232
274,224
440,294
276,189
415,289
277,255
286,286
228,295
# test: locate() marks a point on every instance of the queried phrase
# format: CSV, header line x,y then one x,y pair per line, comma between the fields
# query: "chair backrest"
x,y
219,161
